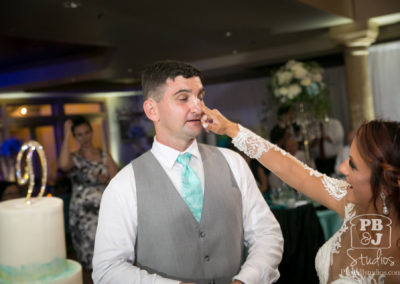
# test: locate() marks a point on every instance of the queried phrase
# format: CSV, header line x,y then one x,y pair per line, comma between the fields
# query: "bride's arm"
x,y
319,187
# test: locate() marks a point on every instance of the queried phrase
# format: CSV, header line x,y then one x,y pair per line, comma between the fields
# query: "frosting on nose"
x,y
196,102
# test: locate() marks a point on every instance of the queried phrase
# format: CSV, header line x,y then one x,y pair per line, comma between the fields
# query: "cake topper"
x,y
30,147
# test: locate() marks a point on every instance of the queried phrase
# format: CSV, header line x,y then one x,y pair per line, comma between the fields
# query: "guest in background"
x,y
292,147
344,153
287,121
327,144
90,171
259,172
183,211
9,190
366,248
278,135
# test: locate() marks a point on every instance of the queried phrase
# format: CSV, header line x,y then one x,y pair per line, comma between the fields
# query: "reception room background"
x,y
121,127
63,58
60,59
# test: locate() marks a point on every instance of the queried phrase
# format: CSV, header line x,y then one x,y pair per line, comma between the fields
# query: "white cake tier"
x,y
69,273
31,234
32,243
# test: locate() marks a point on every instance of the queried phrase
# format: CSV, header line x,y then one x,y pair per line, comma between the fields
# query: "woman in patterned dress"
x,y
366,249
90,170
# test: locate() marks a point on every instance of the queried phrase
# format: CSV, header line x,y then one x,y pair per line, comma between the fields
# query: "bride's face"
x,y
358,175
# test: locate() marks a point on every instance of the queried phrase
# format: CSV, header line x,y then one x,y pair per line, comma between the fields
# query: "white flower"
x,y
305,81
297,81
284,77
299,71
317,77
283,91
293,91
291,63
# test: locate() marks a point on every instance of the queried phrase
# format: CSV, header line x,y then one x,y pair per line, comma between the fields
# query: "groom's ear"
x,y
150,108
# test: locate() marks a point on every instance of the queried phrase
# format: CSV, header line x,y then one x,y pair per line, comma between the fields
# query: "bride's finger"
x,y
204,121
204,108
203,118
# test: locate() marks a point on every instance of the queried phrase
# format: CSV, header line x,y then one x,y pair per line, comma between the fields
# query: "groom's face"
x,y
179,116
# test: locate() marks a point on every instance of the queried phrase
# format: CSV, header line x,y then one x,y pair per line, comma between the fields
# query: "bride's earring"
x,y
385,208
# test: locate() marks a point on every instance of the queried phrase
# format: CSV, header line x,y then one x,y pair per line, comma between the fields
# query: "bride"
x,y
366,249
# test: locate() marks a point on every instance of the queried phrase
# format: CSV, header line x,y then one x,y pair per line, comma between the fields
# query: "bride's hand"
x,y
213,120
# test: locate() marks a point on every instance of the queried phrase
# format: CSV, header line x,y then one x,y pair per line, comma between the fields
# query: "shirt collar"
x,y
167,155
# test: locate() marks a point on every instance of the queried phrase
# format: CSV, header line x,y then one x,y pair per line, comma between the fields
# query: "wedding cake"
x,y
32,243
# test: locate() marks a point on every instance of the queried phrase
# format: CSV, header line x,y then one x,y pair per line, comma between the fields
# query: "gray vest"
x,y
170,242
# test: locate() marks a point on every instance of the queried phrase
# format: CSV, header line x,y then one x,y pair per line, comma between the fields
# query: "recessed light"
x,y
228,34
23,110
71,4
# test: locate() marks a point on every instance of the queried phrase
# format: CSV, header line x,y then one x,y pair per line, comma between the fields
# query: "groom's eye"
x,y
182,98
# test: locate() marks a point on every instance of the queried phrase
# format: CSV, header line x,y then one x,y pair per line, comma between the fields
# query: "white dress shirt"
x,y
117,226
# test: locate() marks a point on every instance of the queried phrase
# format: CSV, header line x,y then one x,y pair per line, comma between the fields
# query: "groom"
x,y
183,211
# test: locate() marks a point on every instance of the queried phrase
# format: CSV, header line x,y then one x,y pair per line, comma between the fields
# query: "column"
x,y
357,37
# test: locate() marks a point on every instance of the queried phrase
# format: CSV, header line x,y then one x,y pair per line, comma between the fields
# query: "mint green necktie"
x,y
191,186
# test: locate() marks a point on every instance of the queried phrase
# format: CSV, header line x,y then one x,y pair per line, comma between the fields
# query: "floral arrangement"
x,y
299,82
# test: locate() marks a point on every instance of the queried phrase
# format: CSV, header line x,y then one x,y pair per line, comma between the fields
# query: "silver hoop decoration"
x,y
30,147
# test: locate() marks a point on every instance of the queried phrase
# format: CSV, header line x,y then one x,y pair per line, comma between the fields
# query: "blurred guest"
x,y
278,135
344,153
292,146
90,170
327,144
260,173
9,190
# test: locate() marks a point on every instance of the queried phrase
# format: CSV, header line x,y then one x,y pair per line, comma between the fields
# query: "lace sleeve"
x,y
254,146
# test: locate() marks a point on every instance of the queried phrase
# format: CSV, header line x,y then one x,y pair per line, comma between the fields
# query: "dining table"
x,y
303,236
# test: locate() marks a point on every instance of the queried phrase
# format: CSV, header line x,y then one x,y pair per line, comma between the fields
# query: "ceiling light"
x,y
228,34
23,110
71,4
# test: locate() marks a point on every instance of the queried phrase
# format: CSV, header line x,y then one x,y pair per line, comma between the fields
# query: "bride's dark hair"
x,y
378,142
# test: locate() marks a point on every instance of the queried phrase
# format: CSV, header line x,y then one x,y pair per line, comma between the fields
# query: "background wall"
x,y
384,68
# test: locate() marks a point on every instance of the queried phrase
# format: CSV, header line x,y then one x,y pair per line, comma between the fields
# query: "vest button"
x,y
202,234
207,258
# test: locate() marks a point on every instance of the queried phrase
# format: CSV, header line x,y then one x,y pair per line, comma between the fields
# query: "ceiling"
x,y
100,45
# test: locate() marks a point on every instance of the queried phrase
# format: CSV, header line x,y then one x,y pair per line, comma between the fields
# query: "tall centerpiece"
x,y
299,86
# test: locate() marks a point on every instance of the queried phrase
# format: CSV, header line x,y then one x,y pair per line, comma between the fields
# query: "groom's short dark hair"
x,y
155,76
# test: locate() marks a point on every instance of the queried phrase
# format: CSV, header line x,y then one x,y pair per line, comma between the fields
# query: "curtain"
x,y
384,69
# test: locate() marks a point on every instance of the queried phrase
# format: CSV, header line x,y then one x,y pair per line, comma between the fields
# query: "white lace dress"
x,y
335,256
324,257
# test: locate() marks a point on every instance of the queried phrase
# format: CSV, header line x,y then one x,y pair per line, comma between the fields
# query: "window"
x,y
44,122
28,110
